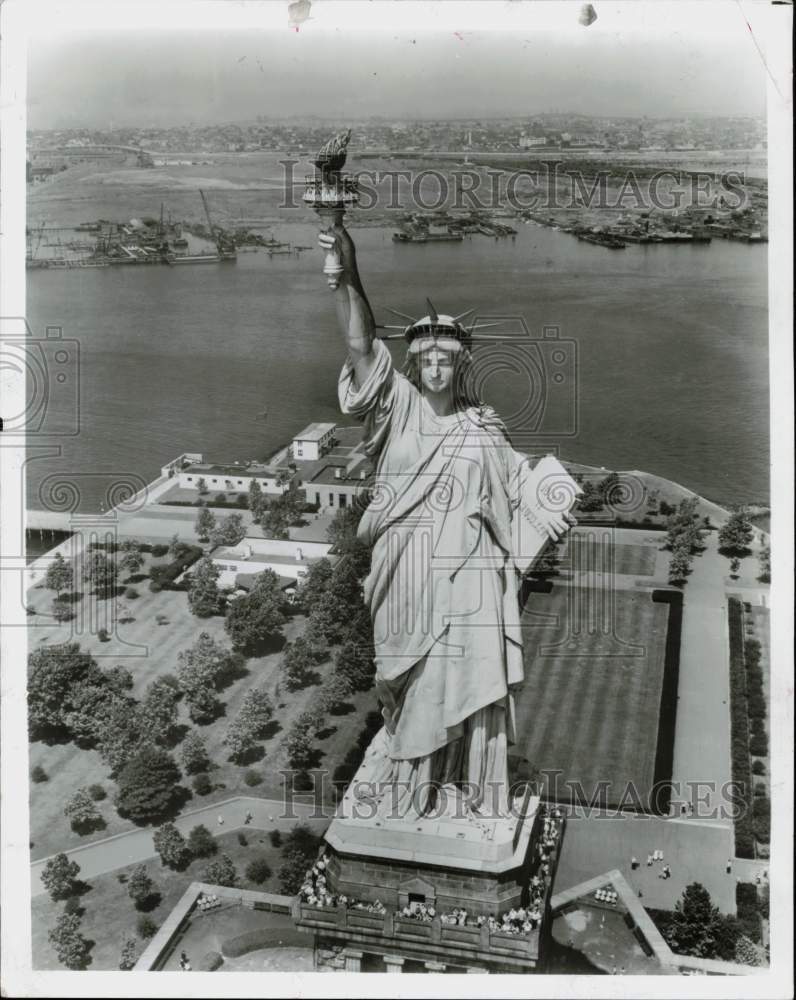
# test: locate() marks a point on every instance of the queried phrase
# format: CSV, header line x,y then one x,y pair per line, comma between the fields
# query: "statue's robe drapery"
x,y
442,589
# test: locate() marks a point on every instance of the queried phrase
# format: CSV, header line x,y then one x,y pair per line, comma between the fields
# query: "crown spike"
x,y
432,312
401,315
460,317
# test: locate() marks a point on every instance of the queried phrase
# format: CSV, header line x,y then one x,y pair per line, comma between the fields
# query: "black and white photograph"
x,y
396,537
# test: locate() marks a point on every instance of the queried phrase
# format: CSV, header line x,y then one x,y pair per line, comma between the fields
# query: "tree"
x,y
608,488
140,886
62,610
201,842
201,485
81,812
299,748
239,740
736,535
299,852
129,955
314,584
257,709
256,499
170,845
228,531
735,565
340,603
258,870
203,597
60,576
679,565
147,784
222,871
205,522
193,753
355,662
693,927
765,564
292,873
274,521
54,673
159,709
132,558
336,691
590,500
745,951
70,946
254,715
100,571
257,617
200,671
58,876
119,731
297,664
342,531
146,926
175,546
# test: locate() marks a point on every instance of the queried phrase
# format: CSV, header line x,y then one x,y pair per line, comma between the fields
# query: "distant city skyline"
x,y
145,79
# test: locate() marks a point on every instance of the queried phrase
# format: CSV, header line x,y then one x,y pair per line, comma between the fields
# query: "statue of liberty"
x,y
442,588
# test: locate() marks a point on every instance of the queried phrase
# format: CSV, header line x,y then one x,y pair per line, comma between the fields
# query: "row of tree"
x,y
684,538
338,627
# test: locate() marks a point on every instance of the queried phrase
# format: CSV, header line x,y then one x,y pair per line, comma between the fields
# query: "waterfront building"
x,y
235,478
313,442
288,558
340,474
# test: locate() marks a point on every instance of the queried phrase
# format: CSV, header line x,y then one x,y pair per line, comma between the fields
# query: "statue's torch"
x,y
330,193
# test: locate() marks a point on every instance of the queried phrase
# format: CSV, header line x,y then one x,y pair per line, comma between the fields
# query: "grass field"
x,y
149,650
109,916
628,559
588,707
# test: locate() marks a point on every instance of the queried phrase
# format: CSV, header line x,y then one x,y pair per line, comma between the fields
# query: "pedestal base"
x,y
437,866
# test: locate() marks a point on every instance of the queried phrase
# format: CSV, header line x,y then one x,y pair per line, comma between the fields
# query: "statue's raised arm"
x,y
353,309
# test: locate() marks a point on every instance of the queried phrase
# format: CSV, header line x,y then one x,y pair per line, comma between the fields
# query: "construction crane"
x,y
226,248
39,234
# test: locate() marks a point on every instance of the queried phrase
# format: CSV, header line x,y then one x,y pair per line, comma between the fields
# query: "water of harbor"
x,y
232,359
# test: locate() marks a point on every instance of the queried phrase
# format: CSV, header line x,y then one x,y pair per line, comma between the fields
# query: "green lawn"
x,y
110,916
149,650
590,702
627,559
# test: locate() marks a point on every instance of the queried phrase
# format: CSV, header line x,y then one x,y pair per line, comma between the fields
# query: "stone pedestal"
x,y
383,865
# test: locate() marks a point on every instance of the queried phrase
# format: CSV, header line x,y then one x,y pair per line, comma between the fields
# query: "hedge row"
x,y
664,753
164,576
747,906
156,550
239,504
739,728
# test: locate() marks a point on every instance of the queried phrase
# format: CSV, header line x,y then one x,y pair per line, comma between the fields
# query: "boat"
x,y
603,240
193,258
427,237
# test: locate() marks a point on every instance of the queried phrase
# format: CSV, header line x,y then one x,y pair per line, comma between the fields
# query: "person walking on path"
x,y
729,866
220,820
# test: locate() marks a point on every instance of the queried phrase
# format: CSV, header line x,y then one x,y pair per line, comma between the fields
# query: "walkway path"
x,y
702,730
124,849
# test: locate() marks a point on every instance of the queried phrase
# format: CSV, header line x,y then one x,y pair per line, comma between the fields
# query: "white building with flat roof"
x,y
234,478
286,557
313,442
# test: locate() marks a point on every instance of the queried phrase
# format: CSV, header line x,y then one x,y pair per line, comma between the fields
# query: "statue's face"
x,y
437,370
